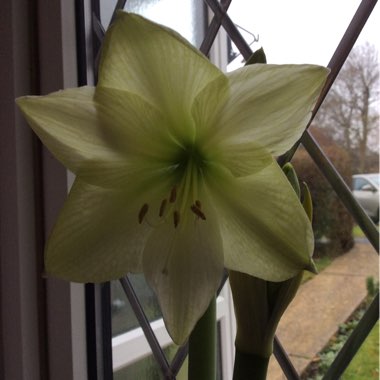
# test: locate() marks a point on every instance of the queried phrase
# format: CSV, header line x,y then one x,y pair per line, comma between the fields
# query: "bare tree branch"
x,y
351,110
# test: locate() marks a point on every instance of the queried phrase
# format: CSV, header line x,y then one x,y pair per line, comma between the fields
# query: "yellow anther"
x,y
162,207
143,211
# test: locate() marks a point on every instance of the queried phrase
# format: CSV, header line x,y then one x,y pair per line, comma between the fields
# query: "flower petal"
x,y
67,123
155,63
241,158
264,228
244,158
97,236
184,266
208,105
133,125
271,104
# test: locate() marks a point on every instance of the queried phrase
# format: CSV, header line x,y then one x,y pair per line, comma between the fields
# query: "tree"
x,y
351,110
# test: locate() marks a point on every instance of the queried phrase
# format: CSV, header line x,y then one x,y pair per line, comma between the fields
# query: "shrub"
x,y
332,223
372,286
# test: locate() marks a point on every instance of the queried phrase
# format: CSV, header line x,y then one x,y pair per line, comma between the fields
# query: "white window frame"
x,y
132,346
41,318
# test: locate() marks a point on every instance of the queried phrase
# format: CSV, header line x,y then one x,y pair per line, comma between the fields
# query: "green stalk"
x,y
202,346
250,366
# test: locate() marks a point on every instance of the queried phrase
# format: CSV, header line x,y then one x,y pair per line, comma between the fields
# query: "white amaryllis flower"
x,y
175,175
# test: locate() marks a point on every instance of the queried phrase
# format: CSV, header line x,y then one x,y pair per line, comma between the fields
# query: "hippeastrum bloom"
x,y
175,175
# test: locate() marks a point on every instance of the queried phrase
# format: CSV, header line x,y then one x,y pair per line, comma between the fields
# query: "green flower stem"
x,y
202,346
250,366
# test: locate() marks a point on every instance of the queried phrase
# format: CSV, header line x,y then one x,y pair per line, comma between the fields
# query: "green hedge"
x,y
332,223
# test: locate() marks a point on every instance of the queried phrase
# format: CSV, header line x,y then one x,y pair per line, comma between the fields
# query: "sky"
x,y
301,31
291,31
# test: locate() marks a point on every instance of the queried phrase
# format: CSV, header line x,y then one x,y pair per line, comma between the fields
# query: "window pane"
x,y
123,318
188,20
147,368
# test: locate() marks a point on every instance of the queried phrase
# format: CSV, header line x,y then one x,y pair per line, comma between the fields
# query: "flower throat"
x,y
189,168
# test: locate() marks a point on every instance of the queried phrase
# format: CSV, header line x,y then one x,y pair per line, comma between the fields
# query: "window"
x,y
42,319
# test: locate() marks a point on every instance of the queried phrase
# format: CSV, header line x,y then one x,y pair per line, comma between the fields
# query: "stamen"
x,y
176,218
143,211
198,212
162,207
173,195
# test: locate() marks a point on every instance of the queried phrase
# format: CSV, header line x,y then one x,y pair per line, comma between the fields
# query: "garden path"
x,y
322,304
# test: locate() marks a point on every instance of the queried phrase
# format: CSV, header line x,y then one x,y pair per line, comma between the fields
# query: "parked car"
x,y
366,191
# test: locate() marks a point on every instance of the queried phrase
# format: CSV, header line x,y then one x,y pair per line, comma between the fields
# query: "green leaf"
x,y
257,57
291,175
307,201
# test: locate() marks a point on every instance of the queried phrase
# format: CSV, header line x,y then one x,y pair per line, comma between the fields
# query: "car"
x,y
366,191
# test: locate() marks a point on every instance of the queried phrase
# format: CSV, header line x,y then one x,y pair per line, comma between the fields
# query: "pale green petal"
x,y
134,126
271,104
97,236
184,266
265,230
155,63
67,123
244,158
207,107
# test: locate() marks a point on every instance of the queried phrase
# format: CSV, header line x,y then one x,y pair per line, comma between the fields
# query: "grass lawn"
x,y
357,232
365,365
